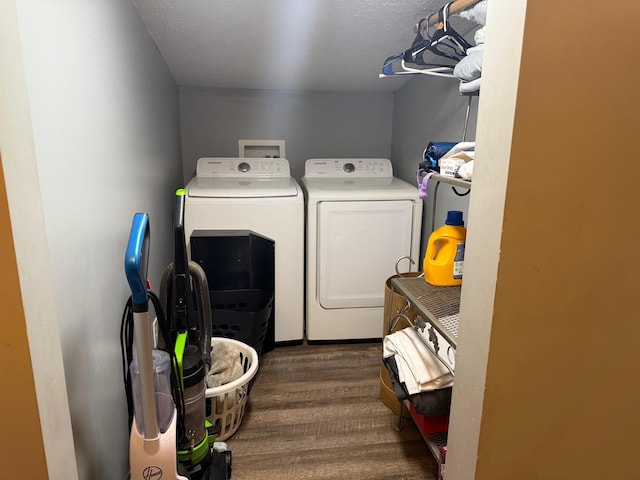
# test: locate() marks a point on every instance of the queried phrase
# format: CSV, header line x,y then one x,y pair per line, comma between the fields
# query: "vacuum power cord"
x,y
126,347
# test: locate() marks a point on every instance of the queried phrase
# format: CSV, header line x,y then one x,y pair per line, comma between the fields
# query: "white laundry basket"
x,y
228,401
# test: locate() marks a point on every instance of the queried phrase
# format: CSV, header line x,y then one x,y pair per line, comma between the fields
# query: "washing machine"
x,y
360,220
253,199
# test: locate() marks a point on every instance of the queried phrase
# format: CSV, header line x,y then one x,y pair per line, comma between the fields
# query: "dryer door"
x,y
358,244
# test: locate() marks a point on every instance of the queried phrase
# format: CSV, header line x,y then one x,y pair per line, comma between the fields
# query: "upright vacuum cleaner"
x,y
152,441
168,383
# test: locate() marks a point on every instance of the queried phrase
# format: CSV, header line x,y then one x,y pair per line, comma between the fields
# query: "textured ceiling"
x,y
311,45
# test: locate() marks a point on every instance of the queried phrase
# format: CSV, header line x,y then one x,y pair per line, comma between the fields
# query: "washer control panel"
x,y
348,167
242,167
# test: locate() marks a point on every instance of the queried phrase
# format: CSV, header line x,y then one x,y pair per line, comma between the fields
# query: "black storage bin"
x,y
242,315
240,269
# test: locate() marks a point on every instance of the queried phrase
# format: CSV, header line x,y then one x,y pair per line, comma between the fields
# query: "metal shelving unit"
x,y
438,315
435,442
453,182
437,324
437,320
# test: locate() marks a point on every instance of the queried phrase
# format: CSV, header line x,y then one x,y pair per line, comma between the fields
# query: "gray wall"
x,y
312,124
430,109
397,126
105,120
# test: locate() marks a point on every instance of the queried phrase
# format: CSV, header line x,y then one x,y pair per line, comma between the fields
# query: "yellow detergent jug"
x,y
444,258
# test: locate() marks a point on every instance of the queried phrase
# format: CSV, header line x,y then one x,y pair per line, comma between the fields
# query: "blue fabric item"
x,y
435,151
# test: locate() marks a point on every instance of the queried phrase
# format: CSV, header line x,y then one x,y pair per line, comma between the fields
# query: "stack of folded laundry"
x,y
448,158
416,373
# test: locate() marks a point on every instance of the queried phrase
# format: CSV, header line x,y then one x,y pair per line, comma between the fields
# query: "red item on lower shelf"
x,y
443,458
428,425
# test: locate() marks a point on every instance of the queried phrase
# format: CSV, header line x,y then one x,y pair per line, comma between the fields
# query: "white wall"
x,y
430,109
312,124
501,70
105,119
37,303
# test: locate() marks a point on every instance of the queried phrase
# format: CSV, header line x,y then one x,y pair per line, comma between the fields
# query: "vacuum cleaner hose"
x,y
201,288
204,307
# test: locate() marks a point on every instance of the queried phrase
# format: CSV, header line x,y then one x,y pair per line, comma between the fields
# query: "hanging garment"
x,y
447,46
469,69
445,41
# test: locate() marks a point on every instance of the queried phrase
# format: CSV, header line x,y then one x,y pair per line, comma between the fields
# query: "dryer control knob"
x,y
244,167
349,167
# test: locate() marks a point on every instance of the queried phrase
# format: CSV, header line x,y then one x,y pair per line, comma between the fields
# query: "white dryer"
x,y
257,195
360,221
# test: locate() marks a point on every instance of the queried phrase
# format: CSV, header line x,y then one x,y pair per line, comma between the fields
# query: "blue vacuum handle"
x,y
136,261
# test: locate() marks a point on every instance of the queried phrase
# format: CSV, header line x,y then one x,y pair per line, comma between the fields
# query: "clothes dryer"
x,y
256,195
360,221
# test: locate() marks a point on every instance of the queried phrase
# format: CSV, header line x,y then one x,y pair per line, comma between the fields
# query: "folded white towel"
x,y
418,368
466,171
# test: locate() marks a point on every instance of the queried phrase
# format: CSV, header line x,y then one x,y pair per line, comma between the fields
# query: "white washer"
x,y
256,194
360,221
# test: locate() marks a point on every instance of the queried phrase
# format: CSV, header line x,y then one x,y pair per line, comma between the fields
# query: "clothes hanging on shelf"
x,y
446,45
453,56
469,69
455,7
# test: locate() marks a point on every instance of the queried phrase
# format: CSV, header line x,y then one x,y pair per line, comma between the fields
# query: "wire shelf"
x,y
440,305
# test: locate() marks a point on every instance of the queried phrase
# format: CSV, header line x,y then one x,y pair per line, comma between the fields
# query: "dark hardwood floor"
x,y
314,412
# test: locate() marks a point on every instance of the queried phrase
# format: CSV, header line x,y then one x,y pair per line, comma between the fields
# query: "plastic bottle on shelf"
x,y
444,257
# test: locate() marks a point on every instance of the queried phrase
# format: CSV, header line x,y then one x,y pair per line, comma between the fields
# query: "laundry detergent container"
x,y
444,258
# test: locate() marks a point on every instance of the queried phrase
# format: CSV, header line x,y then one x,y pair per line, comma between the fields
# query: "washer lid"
x,y
229,177
250,187
353,188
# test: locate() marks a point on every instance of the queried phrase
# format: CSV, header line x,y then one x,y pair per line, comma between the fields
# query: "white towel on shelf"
x,y
470,87
465,171
418,368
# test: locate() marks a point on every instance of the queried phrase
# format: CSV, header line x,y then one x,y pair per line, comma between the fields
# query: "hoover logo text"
x,y
152,473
